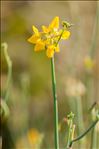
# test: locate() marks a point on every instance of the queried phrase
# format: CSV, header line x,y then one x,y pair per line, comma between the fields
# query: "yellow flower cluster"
x,y
49,37
33,136
32,140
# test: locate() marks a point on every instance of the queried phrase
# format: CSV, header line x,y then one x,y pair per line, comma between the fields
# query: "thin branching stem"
x,y
84,133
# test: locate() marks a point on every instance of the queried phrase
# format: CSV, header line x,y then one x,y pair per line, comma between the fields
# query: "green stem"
x,y
9,64
94,139
82,135
55,104
69,134
94,134
79,114
95,32
60,37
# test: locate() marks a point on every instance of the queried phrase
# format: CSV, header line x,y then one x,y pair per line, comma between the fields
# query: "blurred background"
x,y
31,102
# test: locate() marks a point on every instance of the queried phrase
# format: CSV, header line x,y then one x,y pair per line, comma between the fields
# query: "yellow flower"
x,y
33,136
31,140
49,37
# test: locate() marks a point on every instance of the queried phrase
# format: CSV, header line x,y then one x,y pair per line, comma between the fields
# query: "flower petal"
x,y
39,46
45,29
54,23
35,30
65,35
33,39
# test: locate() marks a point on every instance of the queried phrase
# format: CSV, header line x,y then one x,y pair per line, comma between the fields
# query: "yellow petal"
x,y
45,29
50,51
35,30
65,35
33,39
39,46
54,23
57,49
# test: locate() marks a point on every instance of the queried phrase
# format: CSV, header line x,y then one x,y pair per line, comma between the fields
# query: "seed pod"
x,y
66,24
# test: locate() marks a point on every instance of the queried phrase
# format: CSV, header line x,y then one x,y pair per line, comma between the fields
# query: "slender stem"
x,y
69,134
79,114
94,139
60,37
82,135
94,134
55,98
95,31
55,104
9,64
